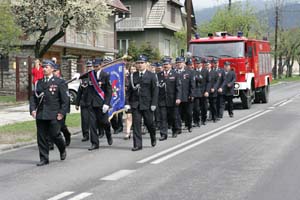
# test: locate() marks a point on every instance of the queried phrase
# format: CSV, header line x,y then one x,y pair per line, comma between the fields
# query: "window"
x,y
167,48
125,15
264,63
173,14
123,46
4,63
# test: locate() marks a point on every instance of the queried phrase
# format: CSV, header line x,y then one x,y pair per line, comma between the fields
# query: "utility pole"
x,y
188,22
229,5
276,40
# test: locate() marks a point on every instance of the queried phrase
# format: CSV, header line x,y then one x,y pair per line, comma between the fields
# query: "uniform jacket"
x,y
169,88
214,82
142,92
229,78
104,82
82,98
187,84
50,99
202,82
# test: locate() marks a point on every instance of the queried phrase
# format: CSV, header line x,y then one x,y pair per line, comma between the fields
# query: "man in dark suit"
x,y
213,93
228,87
168,98
49,105
82,100
201,91
142,98
188,85
220,100
100,93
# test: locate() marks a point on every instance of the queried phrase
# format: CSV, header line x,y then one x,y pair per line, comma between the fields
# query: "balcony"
x,y
130,24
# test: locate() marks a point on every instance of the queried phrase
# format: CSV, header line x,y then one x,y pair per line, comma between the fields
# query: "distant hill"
x,y
290,14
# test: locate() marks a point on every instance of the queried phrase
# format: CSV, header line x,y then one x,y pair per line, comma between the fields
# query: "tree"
x,y
9,31
238,18
146,49
39,17
180,39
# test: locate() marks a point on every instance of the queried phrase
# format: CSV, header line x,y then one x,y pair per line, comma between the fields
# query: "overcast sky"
x,y
199,4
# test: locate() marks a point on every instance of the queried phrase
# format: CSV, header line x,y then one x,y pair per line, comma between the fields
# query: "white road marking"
x,y
280,102
117,175
284,103
60,196
194,139
81,196
272,107
162,159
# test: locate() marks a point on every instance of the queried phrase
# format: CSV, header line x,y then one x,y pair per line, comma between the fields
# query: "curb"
x,y
8,147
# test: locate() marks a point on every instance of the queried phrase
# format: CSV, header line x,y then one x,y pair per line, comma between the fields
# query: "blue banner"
x,y
117,79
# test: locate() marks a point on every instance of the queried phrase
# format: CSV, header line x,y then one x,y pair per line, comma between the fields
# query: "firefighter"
x,y
220,101
142,99
228,87
170,92
213,93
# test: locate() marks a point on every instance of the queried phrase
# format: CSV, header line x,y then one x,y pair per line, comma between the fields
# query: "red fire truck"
x,y
249,58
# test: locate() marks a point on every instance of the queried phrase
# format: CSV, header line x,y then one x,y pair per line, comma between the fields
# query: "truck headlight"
x,y
236,86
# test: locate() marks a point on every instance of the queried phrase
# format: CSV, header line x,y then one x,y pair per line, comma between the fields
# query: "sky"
x,y
199,4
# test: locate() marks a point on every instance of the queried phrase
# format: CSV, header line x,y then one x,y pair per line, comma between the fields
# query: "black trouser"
x,y
98,118
117,121
50,129
157,117
220,105
85,121
229,101
200,104
213,107
168,116
136,123
64,129
186,110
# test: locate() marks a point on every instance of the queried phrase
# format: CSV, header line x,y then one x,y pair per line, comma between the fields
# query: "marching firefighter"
x,y
213,93
228,87
169,97
220,101
142,99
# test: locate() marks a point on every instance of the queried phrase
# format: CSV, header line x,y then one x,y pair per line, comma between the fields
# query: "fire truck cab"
x,y
249,58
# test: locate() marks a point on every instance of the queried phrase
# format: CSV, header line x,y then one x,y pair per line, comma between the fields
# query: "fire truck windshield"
x,y
221,49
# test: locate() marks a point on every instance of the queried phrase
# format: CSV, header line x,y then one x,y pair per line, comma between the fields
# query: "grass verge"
x,y
7,99
288,79
26,131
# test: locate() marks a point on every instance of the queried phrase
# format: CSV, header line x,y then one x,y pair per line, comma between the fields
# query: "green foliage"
x,y
9,31
146,49
180,40
238,18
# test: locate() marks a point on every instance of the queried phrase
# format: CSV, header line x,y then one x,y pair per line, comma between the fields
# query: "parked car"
x,y
73,89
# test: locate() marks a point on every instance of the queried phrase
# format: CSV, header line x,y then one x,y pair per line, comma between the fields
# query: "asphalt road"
x,y
254,155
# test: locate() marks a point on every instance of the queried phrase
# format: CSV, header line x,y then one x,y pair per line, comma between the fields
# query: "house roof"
x,y
117,4
176,2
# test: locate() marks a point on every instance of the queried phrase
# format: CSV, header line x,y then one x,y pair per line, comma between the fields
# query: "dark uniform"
x,y
82,100
228,88
187,85
96,104
220,99
141,96
202,86
214,83
50,100
169,91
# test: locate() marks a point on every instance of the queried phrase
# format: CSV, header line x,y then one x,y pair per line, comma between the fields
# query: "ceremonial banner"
x,y
117,78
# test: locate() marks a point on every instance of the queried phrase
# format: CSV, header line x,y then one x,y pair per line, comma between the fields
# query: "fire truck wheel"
x,y
265,94
246,99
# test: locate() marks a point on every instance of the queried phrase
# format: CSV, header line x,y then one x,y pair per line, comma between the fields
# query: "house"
x,y
71,52
153,21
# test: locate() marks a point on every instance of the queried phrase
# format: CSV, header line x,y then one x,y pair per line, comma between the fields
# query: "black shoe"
x,y
84,139
93,147
174,135
109,140
179,132
153,143
136,148
214,120
127,137
42,163
163,137
203,123
63,155
218,119
190,130
231,115
209,119
101,135
118,130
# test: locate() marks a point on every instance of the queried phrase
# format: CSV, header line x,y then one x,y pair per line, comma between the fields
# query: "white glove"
x,y
76,76
127,107
153,108
105,108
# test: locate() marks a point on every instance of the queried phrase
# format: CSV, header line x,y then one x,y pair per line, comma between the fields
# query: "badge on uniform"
x,y
52,88
220,74
185,76
99,83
